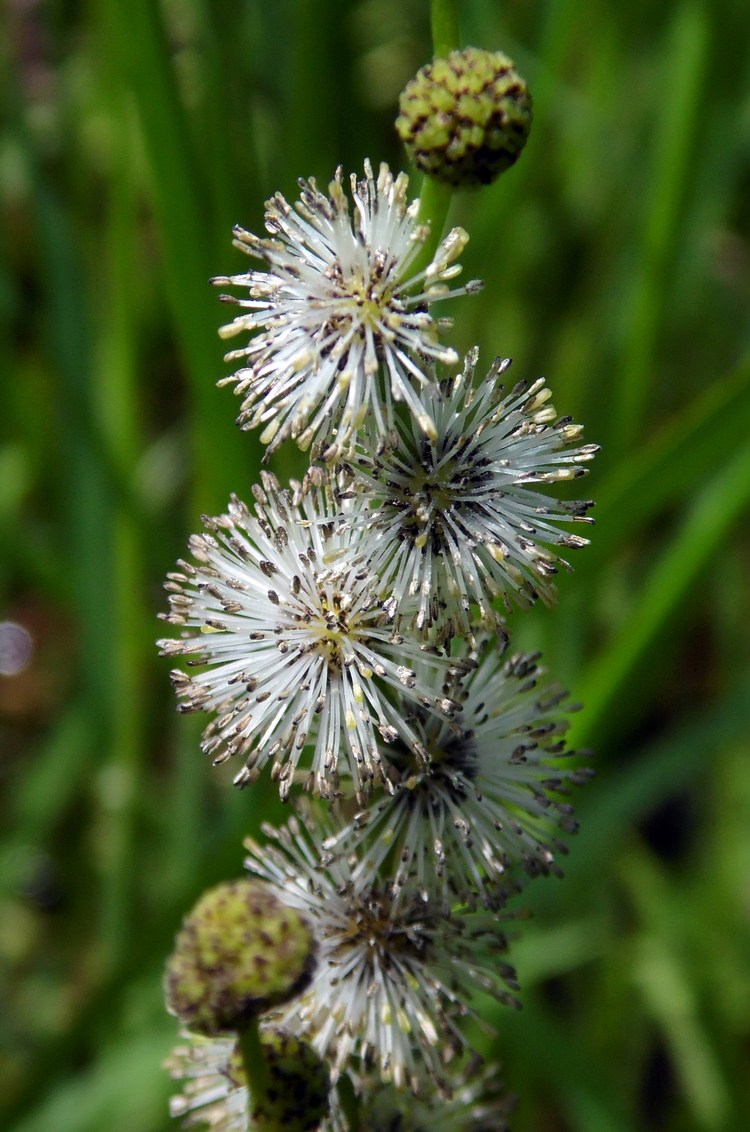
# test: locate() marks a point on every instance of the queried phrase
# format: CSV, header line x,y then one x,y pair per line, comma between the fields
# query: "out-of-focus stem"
x,y
435,198
444,24
258,1078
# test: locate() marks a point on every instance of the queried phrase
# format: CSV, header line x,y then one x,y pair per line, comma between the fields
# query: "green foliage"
x,y
616,255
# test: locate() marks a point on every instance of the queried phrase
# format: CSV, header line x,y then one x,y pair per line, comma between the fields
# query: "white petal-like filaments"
x,y
339,319
484,802
395,976
465,518
300,655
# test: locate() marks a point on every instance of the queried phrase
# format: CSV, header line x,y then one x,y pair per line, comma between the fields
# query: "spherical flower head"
x,y
215,1091
460,519
340,319
396,973
282,608
465,119
239,952
297,1095
476,805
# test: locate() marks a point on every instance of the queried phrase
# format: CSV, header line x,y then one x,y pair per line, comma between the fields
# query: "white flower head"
x,y
476,805
458,509
396,973
340,318
282,609
214,1094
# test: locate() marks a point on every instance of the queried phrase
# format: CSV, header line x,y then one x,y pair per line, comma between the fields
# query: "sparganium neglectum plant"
x,y
350,633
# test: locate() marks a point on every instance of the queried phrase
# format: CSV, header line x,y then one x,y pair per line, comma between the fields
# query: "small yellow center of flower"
x,y
332,627
362,299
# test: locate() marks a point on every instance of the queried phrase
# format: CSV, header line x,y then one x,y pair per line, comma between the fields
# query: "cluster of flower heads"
x,y
348,636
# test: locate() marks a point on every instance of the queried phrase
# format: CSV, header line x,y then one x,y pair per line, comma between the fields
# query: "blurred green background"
x,y
616,256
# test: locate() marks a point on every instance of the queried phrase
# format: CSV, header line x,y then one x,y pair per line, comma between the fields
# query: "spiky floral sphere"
x,y
239,952
295,631
397,973
465,119
479,804
341,317
464,519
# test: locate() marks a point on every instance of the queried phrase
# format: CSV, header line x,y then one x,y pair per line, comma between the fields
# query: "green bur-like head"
x,y
464,120
299,1082
239,952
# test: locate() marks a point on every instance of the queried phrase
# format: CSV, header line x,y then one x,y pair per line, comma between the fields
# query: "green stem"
x,y
435,198
444,25
348,1102
434,202
258,1079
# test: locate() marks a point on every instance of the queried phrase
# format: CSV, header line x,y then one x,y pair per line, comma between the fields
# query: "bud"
x,y
464,120
240,951
299,1081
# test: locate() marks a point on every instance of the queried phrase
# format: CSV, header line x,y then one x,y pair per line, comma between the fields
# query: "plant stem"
x,y
435,198
434,202
444,24
349,1102
258,1079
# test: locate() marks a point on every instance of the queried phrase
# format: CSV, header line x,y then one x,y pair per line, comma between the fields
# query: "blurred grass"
x,y
616,256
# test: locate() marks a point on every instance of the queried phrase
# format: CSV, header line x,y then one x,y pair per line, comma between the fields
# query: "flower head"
x,y
460,518
282,608
340,319
240,951
214,1092
472,804
396,973
464,119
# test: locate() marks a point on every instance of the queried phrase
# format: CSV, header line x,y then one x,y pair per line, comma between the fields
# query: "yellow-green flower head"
x,y
297,1095
240,951
464,120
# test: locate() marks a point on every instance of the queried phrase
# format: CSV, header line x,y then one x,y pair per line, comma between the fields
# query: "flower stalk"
x,y
444,25
258,1078
435,198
